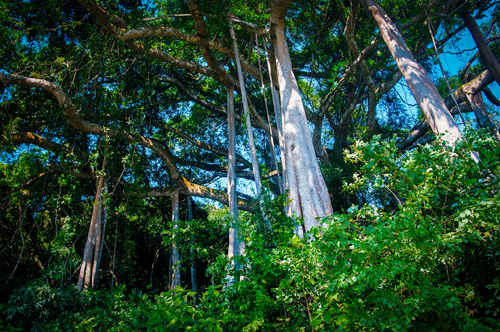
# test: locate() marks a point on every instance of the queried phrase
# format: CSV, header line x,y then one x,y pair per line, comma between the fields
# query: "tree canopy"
x,y
132,133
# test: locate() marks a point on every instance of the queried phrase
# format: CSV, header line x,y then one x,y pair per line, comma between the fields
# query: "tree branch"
x,y
44,143
201,29
70,112
256,118
204,146
116,26
473,87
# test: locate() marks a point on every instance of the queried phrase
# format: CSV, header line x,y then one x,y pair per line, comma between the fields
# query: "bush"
x,y
428,263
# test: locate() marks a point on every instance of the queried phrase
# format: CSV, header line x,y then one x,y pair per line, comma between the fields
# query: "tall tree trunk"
x,y
486,54
234,239
251,143
423,89
176,259
277,113
99,237
270,136
194,282
93,246
310,198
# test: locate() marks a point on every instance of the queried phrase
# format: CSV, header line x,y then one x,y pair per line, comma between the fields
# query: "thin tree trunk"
x,y
194,282
271,139
231,172
251,143
85,276
158,241
113,266
277,113
234,243
431,28
423,89
170,278
484,50
99,237
310,198
155,260
176,264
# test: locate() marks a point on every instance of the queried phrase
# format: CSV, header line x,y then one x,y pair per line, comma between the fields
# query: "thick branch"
x,y
243,204
116,26
491,97
70,112
164,31
423,128
487,55
44,143
473,87
201,29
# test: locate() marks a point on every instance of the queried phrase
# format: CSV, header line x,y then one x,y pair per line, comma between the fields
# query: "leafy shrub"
x,y
428,263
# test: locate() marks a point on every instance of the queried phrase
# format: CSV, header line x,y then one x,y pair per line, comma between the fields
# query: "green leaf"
x,y
317,320
327,317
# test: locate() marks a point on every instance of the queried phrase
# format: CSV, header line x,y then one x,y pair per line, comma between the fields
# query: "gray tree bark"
x,y
271,139
234,234
91,256
175,254
421,86
277,113
251,143
194,282
310,198
99,237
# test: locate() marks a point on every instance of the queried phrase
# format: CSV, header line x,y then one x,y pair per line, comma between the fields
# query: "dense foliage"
x,y
128,158
429,262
